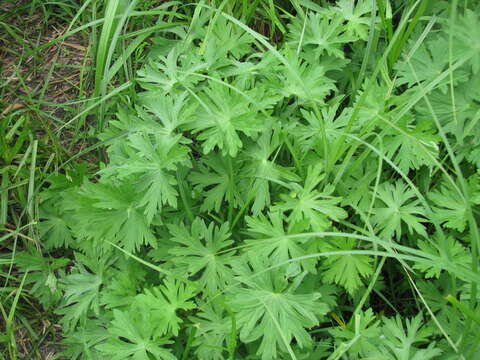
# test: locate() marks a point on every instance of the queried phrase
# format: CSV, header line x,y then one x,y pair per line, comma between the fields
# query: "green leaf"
x,y
153,165
132,337
355,16
54,226
109,212
307,203
200,249
120,291
267,309
458,255
169,112
261,171
310,135
400,207
43,275
415,145
80,344
305,80
399,341
346,269
162,303
272,240
449,208
81,292
224,116
428,61
217,180
320,32
173,72
213,328
361,333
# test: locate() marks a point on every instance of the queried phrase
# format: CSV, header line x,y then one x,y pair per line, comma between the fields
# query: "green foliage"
x,y
266,307
132,336
346,269
280,199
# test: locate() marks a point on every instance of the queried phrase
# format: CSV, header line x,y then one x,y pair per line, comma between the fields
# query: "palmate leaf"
x,y
161,303
366,328
412,147
261,171
357,186
80,344
120,291
346,270
223,116
459,255
173,72
464,112
224,41
400,207
170,112
132,336
375,105
217,179
198,248
82,291
310,135
153,165
474,156
214,326
356,17
43,274
272,241
265,308
450,209
307,203
304,80
54,228
320,32
103,211
466,33
399,341
429,60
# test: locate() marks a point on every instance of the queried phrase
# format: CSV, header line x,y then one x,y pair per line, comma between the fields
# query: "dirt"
x,y
24,70
24,92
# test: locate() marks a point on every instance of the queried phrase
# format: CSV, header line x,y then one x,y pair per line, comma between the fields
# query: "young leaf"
x,y
54,228
153,165
362,333
81,292
173,72
43,274
305,80
354,14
